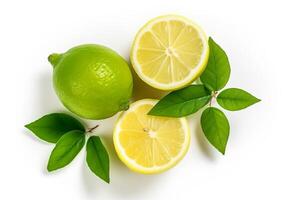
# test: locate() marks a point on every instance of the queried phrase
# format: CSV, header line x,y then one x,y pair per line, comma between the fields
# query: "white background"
x,y
262,41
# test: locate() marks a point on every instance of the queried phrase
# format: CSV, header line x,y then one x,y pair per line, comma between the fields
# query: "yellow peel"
x,y
150,144
169,52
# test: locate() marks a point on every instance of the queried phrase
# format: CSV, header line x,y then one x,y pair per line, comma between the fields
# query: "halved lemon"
x,y
169,52
150,144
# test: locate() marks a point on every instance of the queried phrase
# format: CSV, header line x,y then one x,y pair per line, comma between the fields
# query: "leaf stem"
x,y
213,96
90,130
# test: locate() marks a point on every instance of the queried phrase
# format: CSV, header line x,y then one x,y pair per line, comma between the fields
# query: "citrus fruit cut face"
x,y
150,144
169,52
92,81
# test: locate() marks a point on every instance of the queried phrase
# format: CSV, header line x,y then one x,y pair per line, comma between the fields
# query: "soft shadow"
x,y
35,140
123,181
30,135
142,90
107,140
203,144
47,99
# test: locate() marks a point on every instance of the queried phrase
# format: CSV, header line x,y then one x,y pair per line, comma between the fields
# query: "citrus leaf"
x,y
215,127
217,71
66,149
52,126
236,99
182,102
97,158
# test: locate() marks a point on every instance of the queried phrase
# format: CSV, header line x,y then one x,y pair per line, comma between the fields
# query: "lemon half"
x,y
169,52
150,144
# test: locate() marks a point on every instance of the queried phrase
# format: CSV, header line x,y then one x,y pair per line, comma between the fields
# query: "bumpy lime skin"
x,y
92,81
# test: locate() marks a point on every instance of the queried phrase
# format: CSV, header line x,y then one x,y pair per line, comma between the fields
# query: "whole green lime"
x,y
92,81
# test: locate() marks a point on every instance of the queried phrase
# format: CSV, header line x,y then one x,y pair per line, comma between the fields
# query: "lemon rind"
x,y
130,163
194,72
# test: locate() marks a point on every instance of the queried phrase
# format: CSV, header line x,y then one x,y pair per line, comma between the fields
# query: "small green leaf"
x,y
217,71
52,126
215,127
236,99
66,149
182,102
97,158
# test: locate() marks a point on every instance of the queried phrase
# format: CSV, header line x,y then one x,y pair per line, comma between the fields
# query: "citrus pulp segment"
x,y
150,144
169,52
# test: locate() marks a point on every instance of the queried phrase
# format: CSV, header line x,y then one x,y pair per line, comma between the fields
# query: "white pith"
x,y
193,72
131,163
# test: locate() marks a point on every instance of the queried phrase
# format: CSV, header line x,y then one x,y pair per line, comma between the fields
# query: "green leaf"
x,y
52,126
215,127
182,102
66,149
236,99
97,158
217,71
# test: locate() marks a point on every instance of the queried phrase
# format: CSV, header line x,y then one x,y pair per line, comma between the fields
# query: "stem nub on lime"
x,y
92,81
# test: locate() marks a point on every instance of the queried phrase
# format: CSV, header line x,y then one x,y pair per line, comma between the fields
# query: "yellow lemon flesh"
x,y
169,52
150,144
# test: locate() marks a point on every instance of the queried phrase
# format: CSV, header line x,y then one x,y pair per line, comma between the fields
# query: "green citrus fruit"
x,y
92,81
